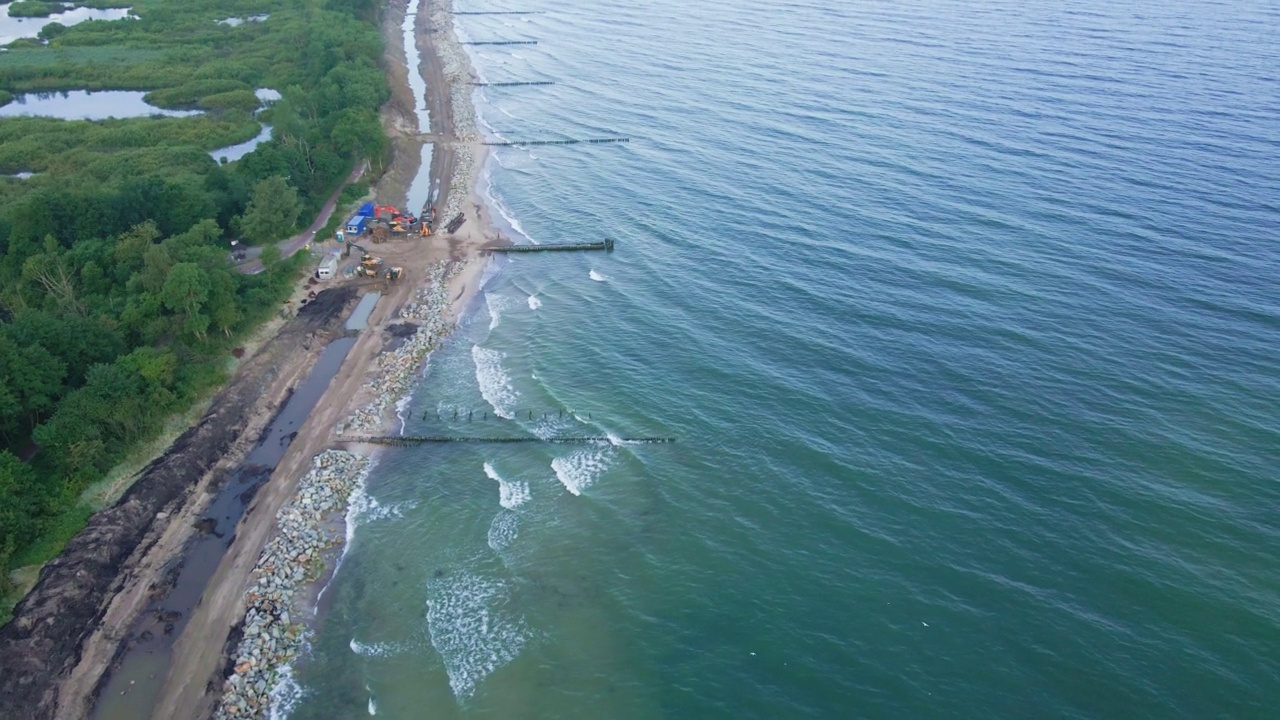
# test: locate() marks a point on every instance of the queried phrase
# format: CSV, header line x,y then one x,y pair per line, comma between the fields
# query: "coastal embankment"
x,y
78,616
159,573
233,658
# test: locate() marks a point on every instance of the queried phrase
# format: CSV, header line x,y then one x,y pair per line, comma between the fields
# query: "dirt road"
x,y
250,265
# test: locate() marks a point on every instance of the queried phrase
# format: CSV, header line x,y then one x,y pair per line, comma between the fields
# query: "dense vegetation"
x,y
117,300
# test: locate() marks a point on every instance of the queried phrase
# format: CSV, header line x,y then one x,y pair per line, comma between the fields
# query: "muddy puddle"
x,y
131,690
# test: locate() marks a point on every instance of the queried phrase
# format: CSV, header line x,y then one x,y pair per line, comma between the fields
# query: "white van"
x,y
328,267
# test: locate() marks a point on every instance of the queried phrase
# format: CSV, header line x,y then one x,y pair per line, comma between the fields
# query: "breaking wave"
x,y
494,383
472,628
503,530
511,495
579,470
374,649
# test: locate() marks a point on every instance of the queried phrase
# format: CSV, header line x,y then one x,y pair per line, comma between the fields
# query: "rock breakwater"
x,y
392,377
456,67
273,633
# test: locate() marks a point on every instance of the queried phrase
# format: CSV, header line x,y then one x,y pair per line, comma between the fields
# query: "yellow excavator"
x,y
371,266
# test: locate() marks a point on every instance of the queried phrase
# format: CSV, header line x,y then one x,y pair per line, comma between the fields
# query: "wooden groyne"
x,y
606,245
512,84
406,440
501,42
509,143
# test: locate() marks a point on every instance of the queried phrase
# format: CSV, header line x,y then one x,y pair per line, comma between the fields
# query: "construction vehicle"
x,y
370,265
393,274
393,215
427,220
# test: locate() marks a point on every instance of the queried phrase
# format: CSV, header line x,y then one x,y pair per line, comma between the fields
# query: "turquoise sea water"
x,y
966,318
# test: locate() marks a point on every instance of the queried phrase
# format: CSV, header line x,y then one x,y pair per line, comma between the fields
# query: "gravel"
x,y
291,559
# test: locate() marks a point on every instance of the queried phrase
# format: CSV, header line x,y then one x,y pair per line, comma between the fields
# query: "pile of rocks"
x,y
393,376
463,179
456,67
272,638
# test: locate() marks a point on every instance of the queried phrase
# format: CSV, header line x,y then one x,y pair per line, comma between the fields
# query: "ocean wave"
x,y
503,530
491,199
370,509
579,470
534,302
355,501
493,381
472,628
401,405
511,495
598,277
285,696
374,649
497,304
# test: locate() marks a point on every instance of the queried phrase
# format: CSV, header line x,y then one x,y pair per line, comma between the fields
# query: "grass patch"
x,y
61,528
42,57
108,490
35,8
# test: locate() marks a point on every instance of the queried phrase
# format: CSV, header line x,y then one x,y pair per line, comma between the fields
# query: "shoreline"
x,y
310,534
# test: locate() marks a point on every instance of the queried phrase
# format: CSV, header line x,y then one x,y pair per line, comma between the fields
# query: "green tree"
x,y
272,212
185,292
17,516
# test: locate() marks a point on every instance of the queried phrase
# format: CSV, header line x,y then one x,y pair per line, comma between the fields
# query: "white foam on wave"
x,y
374,649
511,495
491,199
355,502
373,706
493,381
534,302
616,441
370,509
285,696
503,530
473,629
401,405
598,277
580,469
497,304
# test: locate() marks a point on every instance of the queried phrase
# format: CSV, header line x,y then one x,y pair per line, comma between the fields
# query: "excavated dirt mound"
x,y
44,640
327,304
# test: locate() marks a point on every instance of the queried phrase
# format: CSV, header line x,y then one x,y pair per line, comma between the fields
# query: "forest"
x,y
118,301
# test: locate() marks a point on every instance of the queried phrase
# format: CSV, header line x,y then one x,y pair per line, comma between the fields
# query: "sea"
x,y
964,318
